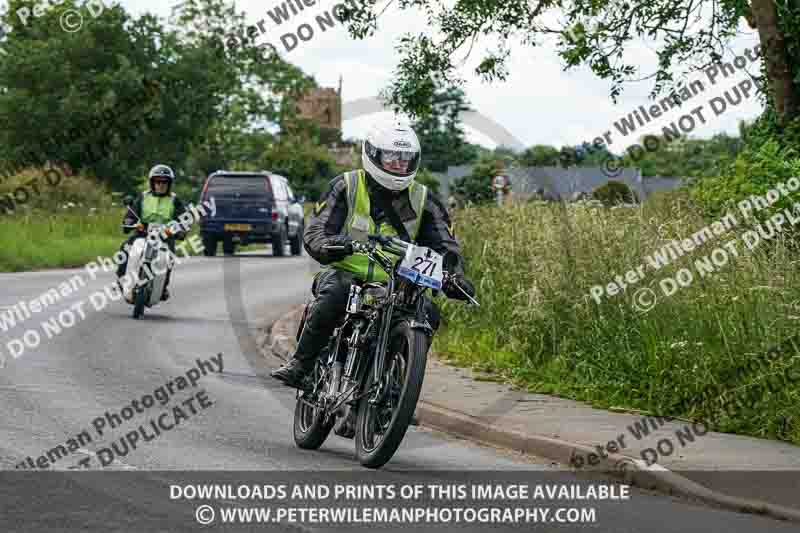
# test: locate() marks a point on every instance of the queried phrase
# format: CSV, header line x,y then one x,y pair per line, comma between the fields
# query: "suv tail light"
x,y
204,196
204,193
274,215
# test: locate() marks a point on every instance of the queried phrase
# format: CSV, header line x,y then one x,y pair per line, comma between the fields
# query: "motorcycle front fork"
x,y
342,378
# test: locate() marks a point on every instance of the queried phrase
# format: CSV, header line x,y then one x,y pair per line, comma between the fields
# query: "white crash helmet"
x,y
390,141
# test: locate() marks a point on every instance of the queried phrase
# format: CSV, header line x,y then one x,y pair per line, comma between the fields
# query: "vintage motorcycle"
x,y
367,381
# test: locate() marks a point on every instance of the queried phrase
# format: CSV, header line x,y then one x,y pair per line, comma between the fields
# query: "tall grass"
x,y
51,193
40,240
62,225
534,265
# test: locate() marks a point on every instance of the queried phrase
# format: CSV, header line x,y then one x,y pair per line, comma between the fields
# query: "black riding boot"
x,y
332,289
302,361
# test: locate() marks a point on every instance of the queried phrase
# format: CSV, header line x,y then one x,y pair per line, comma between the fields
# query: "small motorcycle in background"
x,y
149,260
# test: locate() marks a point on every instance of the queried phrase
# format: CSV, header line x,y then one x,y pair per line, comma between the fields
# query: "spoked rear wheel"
x,y
380,428
310,428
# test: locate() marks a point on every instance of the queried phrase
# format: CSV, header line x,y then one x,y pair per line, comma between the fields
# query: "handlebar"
x,y
398,246
142,227
367,247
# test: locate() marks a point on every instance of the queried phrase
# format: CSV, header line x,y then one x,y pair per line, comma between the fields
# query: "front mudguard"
x,y
427,319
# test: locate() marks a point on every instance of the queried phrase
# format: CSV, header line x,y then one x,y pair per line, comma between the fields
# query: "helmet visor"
x,y
399,163
390,156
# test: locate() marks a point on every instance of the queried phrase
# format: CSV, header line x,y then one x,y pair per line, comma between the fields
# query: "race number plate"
x,y
423,266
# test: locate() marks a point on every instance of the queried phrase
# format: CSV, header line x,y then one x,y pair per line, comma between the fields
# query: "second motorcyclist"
x,y
157,205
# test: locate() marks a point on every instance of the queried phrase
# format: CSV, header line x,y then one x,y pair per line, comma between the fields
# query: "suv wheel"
x,y
209,246
296,242
279,243
228,246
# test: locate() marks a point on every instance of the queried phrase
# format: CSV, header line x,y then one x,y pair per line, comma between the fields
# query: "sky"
x,y
539,103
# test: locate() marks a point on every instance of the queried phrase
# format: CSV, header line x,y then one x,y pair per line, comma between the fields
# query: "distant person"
x,y
452,203
380,198
159,205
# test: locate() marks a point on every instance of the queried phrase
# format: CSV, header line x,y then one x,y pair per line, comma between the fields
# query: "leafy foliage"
x,y
767,160
540,155
440,133
78,97
684,157
614,193
309,166
426,178
476,187
538,327
689,34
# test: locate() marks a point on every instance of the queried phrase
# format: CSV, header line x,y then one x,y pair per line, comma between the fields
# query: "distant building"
x,y
563,183
569,183
323,105
346,155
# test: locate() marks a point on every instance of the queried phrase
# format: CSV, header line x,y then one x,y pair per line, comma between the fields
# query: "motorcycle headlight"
x,y
373,295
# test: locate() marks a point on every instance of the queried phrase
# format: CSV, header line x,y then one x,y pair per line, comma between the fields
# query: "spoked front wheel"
x,y
139,300
380,428
310,427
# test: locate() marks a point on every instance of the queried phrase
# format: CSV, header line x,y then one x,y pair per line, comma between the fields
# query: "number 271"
x,y
429,265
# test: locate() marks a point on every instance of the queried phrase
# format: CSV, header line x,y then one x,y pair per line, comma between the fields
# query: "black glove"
x,y
338,240
451,290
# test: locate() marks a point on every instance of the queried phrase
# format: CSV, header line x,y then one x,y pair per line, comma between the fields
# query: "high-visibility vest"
x,y
359,224
158,209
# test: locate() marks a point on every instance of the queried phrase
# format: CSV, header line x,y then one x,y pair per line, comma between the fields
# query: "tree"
x,y
191,92
440,133
689,34
686,157
308,165
256,86
477,186
540,155
425,177
505,155
614,193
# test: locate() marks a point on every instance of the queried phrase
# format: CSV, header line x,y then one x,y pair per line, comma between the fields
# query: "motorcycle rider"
x,y
158,205
380,198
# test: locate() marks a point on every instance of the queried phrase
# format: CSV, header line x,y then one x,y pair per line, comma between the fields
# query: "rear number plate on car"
x,y
238,227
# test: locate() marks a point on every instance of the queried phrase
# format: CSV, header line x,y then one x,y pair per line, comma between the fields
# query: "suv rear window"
x,y
241,185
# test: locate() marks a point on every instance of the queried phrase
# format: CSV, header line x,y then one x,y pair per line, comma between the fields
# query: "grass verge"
x,y
692,355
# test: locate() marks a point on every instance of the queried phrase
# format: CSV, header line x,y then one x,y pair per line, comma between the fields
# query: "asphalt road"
x,y
52,393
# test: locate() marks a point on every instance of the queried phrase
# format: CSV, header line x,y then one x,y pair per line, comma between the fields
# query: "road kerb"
x,y
281,341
